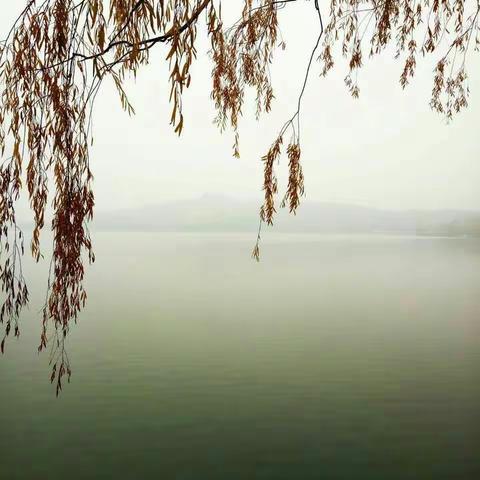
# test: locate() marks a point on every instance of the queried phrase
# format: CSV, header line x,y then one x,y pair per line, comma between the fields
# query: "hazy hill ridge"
x,y
212,213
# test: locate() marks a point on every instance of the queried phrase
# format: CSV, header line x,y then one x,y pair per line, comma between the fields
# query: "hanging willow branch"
x,y
58,53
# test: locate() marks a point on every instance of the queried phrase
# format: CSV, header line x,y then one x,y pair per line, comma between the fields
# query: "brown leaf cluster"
x,y
414,29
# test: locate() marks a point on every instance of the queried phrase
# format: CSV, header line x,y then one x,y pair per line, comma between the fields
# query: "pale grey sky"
x,y
387,149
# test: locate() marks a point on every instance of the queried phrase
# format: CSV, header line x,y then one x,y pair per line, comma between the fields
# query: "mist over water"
x,y
336,357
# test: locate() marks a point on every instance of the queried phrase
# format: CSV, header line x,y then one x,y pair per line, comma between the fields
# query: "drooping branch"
x,y
145,43
295,187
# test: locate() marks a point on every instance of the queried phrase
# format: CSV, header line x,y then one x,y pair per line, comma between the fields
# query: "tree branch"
x,y
148,43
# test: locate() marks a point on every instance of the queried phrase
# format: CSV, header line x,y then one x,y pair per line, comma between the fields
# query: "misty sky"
x,y
387,149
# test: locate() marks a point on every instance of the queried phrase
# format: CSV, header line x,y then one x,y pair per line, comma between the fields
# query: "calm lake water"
x,y
334,358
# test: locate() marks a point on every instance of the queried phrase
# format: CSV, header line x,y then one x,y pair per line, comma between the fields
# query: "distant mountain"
x,y
212,213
